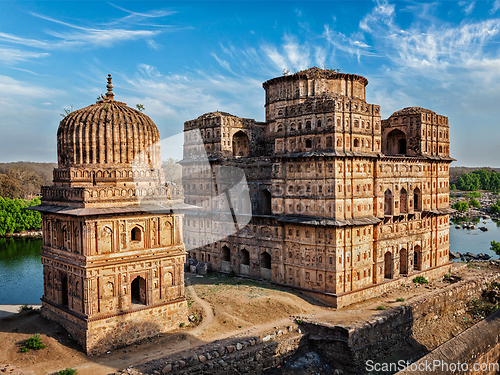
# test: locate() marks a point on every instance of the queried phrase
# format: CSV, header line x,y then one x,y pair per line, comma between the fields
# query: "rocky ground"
x,y
220,307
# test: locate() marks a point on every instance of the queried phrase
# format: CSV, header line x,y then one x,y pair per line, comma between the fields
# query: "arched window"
x,y
308,125
417,258
356,142
403,262
266,202
308,143
396,143
136,234
226,254
265,260
403,198
388,265
240,144
417,199
245,257
388,202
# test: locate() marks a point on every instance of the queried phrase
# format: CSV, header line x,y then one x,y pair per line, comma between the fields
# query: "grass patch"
x,y
481,309
400,299
67,371
25,307
381,308
34,342
420,280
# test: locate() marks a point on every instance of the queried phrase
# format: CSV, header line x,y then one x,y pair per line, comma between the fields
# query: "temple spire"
x,y
110,95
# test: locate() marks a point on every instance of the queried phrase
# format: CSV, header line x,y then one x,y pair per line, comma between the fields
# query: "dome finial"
x,y
110,94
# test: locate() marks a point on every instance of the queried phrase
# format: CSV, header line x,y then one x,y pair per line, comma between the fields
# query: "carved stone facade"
x,y
342,202
113,268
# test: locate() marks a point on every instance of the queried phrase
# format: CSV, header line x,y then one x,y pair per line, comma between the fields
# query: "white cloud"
x,y
496,6
10,55
467,7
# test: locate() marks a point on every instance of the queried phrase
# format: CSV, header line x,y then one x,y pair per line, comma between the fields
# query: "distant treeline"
x,y
481,179
13,217
24,179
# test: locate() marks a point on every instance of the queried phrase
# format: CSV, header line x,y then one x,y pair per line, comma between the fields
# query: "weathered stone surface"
x,y
167,369
91,215
341,200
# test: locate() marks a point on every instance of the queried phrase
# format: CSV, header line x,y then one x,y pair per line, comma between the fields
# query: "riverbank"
x,y
26,234
7,310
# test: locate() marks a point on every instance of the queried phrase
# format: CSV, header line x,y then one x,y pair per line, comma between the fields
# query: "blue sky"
x,y
182,59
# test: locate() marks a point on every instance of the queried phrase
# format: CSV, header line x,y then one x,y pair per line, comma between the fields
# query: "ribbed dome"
x,y
106,133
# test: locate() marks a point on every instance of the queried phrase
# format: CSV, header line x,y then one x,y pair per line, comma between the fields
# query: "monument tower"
x,y
112,266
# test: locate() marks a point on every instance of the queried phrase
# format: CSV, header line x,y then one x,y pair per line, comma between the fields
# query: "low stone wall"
x,y
344,348
243,355
96,336
474,351
348,298
349,348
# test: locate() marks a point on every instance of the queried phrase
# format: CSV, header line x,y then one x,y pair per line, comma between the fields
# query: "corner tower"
x,y
113,268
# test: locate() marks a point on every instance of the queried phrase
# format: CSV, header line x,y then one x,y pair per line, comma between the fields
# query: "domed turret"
x,y
106,137
108,155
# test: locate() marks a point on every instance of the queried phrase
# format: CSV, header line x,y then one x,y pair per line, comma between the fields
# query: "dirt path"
x,y
208,316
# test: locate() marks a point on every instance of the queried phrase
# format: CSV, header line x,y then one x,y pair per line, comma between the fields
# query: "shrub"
x,y
25,307
461,206
183,324
474,194
420,280
34,342
475,203
381,307
400,299
67,371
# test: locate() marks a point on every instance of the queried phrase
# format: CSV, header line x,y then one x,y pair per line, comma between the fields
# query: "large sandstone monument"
x,y
344,205
113,269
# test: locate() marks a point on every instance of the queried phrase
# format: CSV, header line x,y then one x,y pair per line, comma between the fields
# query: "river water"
x,y
21,279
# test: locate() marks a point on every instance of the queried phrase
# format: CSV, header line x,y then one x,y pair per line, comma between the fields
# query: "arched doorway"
x,y
265,265
403,201
388,202
225,259
388,265
240,144
244,262
417,199
64,290
226,254
245,257
266,202
417,258
396,143
265,260
138,291
403,262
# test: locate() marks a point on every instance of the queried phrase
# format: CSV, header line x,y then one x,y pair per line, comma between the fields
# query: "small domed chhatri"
x,y
112,268
106,137
108,150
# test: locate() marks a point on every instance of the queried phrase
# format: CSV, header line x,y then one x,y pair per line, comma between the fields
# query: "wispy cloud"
x,y
496,6
467,6
11,55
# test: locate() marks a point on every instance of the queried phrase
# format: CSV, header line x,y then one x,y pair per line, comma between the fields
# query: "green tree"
x,y
495,246
453,187
14,217
461,206
495,209
474,194
475,203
